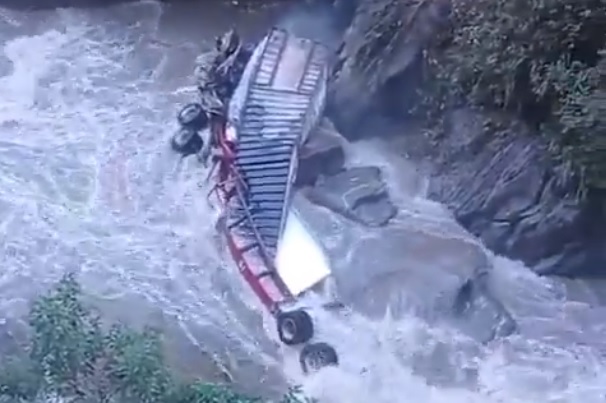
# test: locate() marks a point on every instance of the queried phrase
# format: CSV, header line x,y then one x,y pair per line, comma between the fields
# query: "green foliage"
x,y
539,59
66,337
71,355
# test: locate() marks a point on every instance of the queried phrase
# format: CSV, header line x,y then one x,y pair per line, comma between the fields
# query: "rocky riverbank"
x,y
493,170
384,261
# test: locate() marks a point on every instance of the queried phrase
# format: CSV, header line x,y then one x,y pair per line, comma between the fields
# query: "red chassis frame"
x,y
257,269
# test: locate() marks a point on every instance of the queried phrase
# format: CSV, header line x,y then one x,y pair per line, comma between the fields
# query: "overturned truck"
x,y
276,104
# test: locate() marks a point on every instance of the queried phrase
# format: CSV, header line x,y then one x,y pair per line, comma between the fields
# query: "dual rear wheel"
x,y
295,328
192,118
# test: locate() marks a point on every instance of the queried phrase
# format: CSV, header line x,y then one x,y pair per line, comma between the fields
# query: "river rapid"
x,y
88,183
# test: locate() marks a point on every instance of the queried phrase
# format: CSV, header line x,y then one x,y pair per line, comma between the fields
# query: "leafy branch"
x,y
541,60
72,356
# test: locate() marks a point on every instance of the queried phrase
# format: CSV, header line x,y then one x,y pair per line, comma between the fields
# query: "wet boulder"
x,y
411,266
438,277
322,154
479,313
358,193
406,268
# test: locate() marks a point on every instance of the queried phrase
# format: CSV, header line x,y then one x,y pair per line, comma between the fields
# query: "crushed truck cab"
x,y
278,101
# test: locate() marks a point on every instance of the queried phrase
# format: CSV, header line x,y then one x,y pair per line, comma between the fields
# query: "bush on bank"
x,y
543,60
73,358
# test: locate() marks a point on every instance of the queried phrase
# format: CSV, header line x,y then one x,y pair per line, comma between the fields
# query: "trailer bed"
x,y
277,110
277,103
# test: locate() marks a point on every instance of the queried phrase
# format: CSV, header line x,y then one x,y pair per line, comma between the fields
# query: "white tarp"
x,y
300,260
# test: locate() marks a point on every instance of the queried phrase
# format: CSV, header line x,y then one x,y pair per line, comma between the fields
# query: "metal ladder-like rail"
x,y
230,185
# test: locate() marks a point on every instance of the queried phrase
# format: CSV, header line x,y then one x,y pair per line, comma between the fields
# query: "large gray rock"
x,y
477,305
411,266
322,154
502,186
408,266
358,193
440,277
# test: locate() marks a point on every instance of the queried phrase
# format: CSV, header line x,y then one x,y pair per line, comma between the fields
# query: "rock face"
x,y
358,193
321,154
499,181
383,41
502,187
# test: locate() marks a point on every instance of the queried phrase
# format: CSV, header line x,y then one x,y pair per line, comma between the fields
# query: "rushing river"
x,y
87,183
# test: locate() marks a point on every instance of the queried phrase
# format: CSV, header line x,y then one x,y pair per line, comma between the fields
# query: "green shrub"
x,y
539,59
71,355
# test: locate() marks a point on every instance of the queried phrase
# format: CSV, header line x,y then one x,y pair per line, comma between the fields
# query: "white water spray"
x,y
86,181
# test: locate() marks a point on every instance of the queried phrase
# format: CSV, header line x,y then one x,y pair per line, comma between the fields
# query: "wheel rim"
x,y
190,113
289,329
316,361
183,137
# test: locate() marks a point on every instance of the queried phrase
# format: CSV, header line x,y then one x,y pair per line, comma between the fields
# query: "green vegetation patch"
x,y
73,357
543,60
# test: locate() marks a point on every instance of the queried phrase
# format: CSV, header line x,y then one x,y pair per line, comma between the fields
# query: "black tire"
x,y
186,142
295,327
193,117
316,356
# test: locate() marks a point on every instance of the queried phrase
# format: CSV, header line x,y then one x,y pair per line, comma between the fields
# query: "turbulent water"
x,y
87,183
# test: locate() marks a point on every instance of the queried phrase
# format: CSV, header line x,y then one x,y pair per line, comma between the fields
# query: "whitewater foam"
x,y
86,181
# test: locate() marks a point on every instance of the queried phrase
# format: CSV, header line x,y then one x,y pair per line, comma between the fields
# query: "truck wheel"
x,y
193,117
186,142
295,327
315,356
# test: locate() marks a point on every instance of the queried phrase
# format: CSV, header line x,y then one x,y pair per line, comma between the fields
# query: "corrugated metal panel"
x,y
272,53
293,65
281,99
